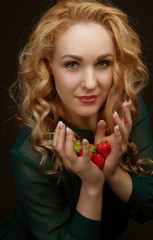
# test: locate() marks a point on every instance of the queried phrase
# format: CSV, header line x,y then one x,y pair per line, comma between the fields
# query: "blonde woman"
x,y
80,75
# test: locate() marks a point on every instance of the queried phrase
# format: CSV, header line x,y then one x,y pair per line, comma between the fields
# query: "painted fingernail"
x,y
126,103
67,131
117,128
84,142
116,114
60,124
101,121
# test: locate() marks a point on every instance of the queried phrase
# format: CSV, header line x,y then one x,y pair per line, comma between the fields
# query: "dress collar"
x,y
80,133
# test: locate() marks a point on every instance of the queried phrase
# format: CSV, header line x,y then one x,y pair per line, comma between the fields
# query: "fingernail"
x,y
126,103
130,102
117,128
101,120
67,131
60,124
116,114
84,142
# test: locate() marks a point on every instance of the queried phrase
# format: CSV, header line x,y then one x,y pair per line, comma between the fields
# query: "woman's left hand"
x,y
118,139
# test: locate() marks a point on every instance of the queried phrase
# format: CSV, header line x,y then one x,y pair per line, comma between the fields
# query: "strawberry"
x,y
92,151
99,160
77,146
92,156
97,154
104,148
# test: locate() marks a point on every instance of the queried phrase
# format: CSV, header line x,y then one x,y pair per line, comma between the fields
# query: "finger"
x,y
60,138
69,147
123,130
126,107
118,148
55,135
117,133
100,132
86,150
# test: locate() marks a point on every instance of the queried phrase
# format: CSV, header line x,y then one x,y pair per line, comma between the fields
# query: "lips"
x,y
87,99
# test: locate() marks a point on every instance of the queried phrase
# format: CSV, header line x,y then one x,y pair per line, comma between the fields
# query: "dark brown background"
x,y
16,21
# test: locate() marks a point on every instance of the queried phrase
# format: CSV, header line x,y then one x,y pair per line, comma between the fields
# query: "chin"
x,y
87,114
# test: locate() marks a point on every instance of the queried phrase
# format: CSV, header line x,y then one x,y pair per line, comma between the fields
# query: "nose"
x,y
89,80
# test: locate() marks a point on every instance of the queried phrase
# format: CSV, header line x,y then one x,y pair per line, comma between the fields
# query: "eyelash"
x,y
101,64
69,65
105,63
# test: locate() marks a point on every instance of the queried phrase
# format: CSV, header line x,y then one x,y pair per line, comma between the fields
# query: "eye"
x,y
71,65
103,63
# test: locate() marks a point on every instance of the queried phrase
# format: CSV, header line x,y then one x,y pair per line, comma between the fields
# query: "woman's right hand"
x,y
82,166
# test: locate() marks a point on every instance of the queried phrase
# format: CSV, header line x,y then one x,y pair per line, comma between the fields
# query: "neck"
x,y
89,123
77,121
85,122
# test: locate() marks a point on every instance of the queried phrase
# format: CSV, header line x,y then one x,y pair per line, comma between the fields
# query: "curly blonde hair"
x,y
36,88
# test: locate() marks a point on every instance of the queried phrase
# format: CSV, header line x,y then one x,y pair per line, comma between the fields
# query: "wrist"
x,y
93,190
121,184
93,180
112,175
90,202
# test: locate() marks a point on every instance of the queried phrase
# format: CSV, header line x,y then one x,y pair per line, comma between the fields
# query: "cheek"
x,y
64,83
107,81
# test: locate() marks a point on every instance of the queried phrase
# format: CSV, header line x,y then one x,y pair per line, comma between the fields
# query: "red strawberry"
x,y
99,160
92,156
77,146
104,148
92,151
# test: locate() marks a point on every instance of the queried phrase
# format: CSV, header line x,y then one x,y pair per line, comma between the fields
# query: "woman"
x,y
80,76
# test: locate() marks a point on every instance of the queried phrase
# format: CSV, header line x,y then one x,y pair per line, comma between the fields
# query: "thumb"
x,y
100,132
86,149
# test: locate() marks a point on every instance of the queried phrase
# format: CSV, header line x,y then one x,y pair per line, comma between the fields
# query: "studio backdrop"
x,y
17,19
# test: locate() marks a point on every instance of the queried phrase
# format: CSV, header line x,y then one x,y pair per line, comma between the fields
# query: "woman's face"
x,y
82,66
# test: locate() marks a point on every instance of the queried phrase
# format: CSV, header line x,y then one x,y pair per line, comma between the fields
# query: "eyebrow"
x,y
72,56
80,58
105,56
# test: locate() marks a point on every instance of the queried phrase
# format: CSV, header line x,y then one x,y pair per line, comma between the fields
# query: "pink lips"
x,y
87,99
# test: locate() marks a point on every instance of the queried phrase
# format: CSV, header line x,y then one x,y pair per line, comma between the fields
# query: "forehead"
x,y
85,37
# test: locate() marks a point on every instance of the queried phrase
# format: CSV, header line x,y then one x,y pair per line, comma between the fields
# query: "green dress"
x,y
46,210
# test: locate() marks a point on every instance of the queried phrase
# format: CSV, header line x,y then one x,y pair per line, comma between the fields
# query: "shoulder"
x,y
142,111
142,106
22,136
23,150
